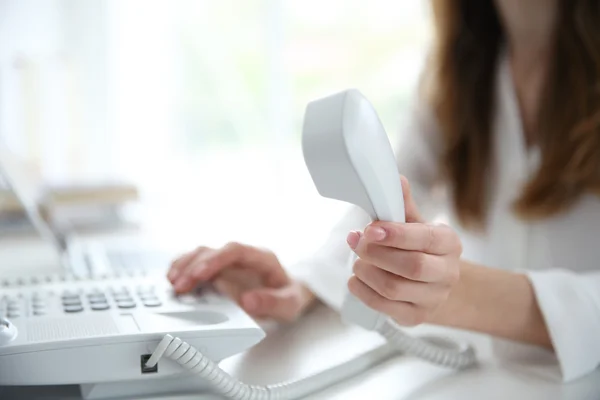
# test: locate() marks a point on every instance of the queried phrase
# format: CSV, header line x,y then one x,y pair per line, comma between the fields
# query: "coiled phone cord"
x,y
436,350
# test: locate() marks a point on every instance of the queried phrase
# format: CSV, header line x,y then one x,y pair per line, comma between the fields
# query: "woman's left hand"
x,y
405,270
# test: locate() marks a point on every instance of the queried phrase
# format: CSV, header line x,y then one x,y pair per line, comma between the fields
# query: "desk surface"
x,y
320,340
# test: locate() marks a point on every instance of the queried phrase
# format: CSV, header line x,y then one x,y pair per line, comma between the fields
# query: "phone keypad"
x,y
73,302
89,299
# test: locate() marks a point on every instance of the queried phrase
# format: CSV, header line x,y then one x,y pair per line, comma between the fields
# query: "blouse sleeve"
x,y
570,304
326,271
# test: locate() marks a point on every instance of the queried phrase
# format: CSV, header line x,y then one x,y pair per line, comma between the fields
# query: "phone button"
x,y
96,297
73,308
122,297
97,300
99,306
38,303
126,304
152,302
71,302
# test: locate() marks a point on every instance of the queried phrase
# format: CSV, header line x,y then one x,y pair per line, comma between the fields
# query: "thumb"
x,y
410,207
278,303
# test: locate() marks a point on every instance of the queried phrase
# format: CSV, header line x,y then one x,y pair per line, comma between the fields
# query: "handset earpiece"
x,y
349,156
8,332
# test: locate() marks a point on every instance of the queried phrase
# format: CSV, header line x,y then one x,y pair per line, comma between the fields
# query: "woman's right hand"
x,y
253,277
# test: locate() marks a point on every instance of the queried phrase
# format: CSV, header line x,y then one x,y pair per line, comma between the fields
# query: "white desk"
x,y
320,340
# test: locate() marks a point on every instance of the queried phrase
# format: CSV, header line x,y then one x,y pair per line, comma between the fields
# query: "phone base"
x,y
144,388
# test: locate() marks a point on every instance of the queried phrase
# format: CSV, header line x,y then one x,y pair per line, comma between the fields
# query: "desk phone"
x,y
95,320
66,330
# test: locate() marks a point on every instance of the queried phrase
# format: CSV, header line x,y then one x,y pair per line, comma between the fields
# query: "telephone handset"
x,y
349,157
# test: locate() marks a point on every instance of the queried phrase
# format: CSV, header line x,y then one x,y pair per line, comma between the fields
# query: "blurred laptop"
x,y
61,253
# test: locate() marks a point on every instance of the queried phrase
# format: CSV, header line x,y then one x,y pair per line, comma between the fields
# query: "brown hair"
x,y
462,74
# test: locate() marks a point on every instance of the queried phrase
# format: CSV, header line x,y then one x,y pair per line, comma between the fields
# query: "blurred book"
x,y
85,208
90,207
88,194
67,206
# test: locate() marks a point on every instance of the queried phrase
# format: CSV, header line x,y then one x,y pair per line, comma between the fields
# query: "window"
x,y
201,102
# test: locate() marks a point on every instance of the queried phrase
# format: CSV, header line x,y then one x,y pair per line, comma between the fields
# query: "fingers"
x,y
234,281
414,235
187,278
405,270
231,254
428,238
396,288
261,261
413,265
179,264
404,313
283,304
410,207
206,264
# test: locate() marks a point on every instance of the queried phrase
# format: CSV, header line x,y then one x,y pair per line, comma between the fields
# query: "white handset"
x,y
349,157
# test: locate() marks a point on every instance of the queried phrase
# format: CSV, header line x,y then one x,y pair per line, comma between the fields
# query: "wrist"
x,y
456,309
493,301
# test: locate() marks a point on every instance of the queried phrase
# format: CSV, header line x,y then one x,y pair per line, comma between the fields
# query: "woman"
x,y
506,132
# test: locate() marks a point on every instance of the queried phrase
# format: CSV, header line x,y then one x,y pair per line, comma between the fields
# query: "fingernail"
x,y
375,233
353,239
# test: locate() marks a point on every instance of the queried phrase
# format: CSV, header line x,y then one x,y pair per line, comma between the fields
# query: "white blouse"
x,y
560,255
